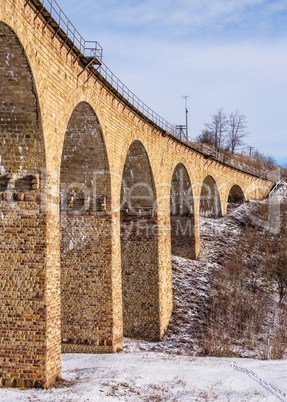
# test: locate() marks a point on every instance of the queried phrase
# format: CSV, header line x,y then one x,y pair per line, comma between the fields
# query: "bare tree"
x,y
264,158
225,131
218,128
280,276
206,137
236,130
277,259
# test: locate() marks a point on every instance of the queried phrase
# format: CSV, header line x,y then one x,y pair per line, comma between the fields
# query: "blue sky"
x,y
228,54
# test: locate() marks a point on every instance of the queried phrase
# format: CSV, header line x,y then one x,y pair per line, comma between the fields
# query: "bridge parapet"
x,y
220,156
56,18
91,54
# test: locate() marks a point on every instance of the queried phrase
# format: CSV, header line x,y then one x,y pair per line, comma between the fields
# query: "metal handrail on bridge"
x,y
129,96
87,48
212,153
92,49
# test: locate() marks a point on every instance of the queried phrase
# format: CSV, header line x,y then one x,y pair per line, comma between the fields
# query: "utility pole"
x,y
186,117
250,150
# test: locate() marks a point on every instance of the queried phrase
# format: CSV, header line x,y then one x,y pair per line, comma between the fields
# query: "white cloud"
x,y
223,53
174,19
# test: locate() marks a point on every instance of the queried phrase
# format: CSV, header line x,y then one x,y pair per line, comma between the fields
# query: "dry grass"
x,y
244,314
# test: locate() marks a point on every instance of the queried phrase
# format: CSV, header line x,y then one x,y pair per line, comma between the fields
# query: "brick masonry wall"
x,y
140,279
46,84
87,323
23,225
23,309
86,235
139,247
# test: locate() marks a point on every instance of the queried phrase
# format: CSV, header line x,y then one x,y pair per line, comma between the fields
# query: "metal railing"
x,y
220,156
129,96
87,48
93,49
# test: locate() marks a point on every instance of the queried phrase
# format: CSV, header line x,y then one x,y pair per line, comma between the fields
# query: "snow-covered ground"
x,y
152,376
172,370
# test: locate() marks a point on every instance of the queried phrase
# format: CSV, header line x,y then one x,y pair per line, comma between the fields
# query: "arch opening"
x,y
182,214
139,247
210,205
85,236
235,196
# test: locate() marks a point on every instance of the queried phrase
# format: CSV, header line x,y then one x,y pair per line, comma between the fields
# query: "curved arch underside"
x,y
236,195
210,205
22,144
182,214
85,236
139,247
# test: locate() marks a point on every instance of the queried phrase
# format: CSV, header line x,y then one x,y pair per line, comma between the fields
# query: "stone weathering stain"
x,y
88,189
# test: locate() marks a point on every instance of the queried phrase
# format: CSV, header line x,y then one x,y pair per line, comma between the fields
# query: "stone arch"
x,y
139,246
210,205
236,195
86,233
23,229
22,142
182,214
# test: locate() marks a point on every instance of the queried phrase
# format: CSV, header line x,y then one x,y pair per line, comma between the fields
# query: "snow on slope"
x,y
171,370
191,283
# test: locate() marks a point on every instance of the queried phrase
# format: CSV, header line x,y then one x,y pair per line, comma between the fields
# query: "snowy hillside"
x,y
229,270
228,240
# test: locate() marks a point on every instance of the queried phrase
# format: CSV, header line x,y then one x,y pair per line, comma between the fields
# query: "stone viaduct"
x,y
95,196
